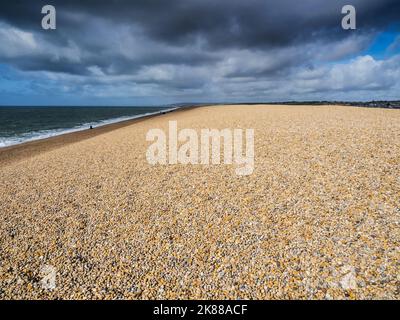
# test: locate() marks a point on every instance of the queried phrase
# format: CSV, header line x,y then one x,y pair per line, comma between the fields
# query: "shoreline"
x,y
16,152
86,126
22,150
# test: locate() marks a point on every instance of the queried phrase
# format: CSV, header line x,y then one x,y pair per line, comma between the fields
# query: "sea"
x,y
22,124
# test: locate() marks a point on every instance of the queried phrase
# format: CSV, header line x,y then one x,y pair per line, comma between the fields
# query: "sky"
x,y
147,52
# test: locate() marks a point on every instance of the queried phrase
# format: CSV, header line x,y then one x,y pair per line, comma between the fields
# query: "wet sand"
x,y
318,218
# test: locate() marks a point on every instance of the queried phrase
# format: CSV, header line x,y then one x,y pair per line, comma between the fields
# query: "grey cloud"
x,y
191,46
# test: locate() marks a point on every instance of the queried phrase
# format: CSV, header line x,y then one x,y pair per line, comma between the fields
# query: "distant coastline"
x,y
390,104
385,104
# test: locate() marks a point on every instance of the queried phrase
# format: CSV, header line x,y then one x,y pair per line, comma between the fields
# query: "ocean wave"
x,y
43,134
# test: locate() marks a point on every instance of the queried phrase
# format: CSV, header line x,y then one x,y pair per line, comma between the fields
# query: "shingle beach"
x,y
319,218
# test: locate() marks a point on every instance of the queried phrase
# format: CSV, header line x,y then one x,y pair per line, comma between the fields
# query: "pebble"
x,y
317,219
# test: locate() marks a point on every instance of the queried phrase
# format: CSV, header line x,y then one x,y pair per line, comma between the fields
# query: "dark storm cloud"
x,y
235,23
260,24
233,39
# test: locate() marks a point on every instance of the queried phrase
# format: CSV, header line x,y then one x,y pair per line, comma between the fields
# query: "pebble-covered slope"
x,y
319,217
